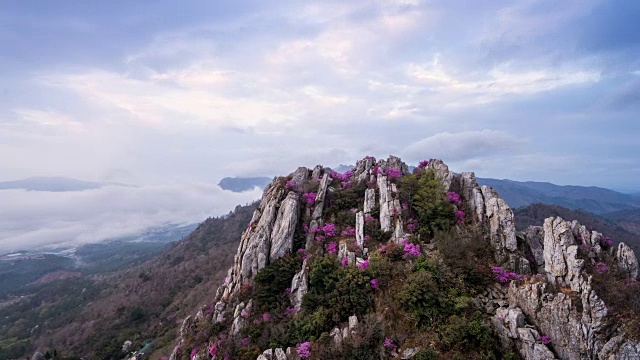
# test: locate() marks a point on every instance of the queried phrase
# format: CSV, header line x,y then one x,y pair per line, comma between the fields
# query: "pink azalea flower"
x,y
304,350
374,284
363,265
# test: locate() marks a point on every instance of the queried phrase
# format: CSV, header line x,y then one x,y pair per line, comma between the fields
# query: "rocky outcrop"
x,y
299,286
388,200
489,211
502,228
563,304
362,170
388,205
369,201
316,216
285,226
268,237
321,194
533,237
553,314
277,354
511,326
560,254
627,260
360,229
341,334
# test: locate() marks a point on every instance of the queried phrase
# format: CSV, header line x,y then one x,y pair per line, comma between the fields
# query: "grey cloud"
x,y
463,145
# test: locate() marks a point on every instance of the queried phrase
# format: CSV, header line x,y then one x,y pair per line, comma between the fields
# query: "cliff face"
x,y
562,303
552,294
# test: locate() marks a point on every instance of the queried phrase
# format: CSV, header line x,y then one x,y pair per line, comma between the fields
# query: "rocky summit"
x,y
381,263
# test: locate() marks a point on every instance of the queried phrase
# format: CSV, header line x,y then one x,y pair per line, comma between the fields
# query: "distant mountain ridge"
x,y
240,184
593,199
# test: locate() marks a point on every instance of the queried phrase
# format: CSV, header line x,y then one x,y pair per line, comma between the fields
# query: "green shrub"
x,y
469,334
376,235
427,354
511,356
427,201
353,295
272,281
309,326
423,299
345,291
464,254
346,217
324,274
346,199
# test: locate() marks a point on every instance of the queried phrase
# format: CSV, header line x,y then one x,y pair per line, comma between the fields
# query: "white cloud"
x,y
470,90
33,218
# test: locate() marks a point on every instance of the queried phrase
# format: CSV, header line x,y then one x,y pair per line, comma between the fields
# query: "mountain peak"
x,y
330,254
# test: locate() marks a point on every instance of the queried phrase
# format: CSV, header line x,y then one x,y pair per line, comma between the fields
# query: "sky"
x,y
168,94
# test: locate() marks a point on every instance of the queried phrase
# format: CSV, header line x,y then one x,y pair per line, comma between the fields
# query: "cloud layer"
x,y
38,218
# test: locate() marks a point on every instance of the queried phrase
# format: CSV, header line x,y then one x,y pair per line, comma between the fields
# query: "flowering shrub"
x,y
459,216
453,198
374,284
290,185
545,339
601,267
213,349
394,173
606,241
348,231
289,311
346,184
304,350
423,164
344,261
375,170
194,351
389,344
245,341
503,276
332,248
411,250
383,249
369,218
330,230
363,265
411,225
309,198
342,177
266,317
